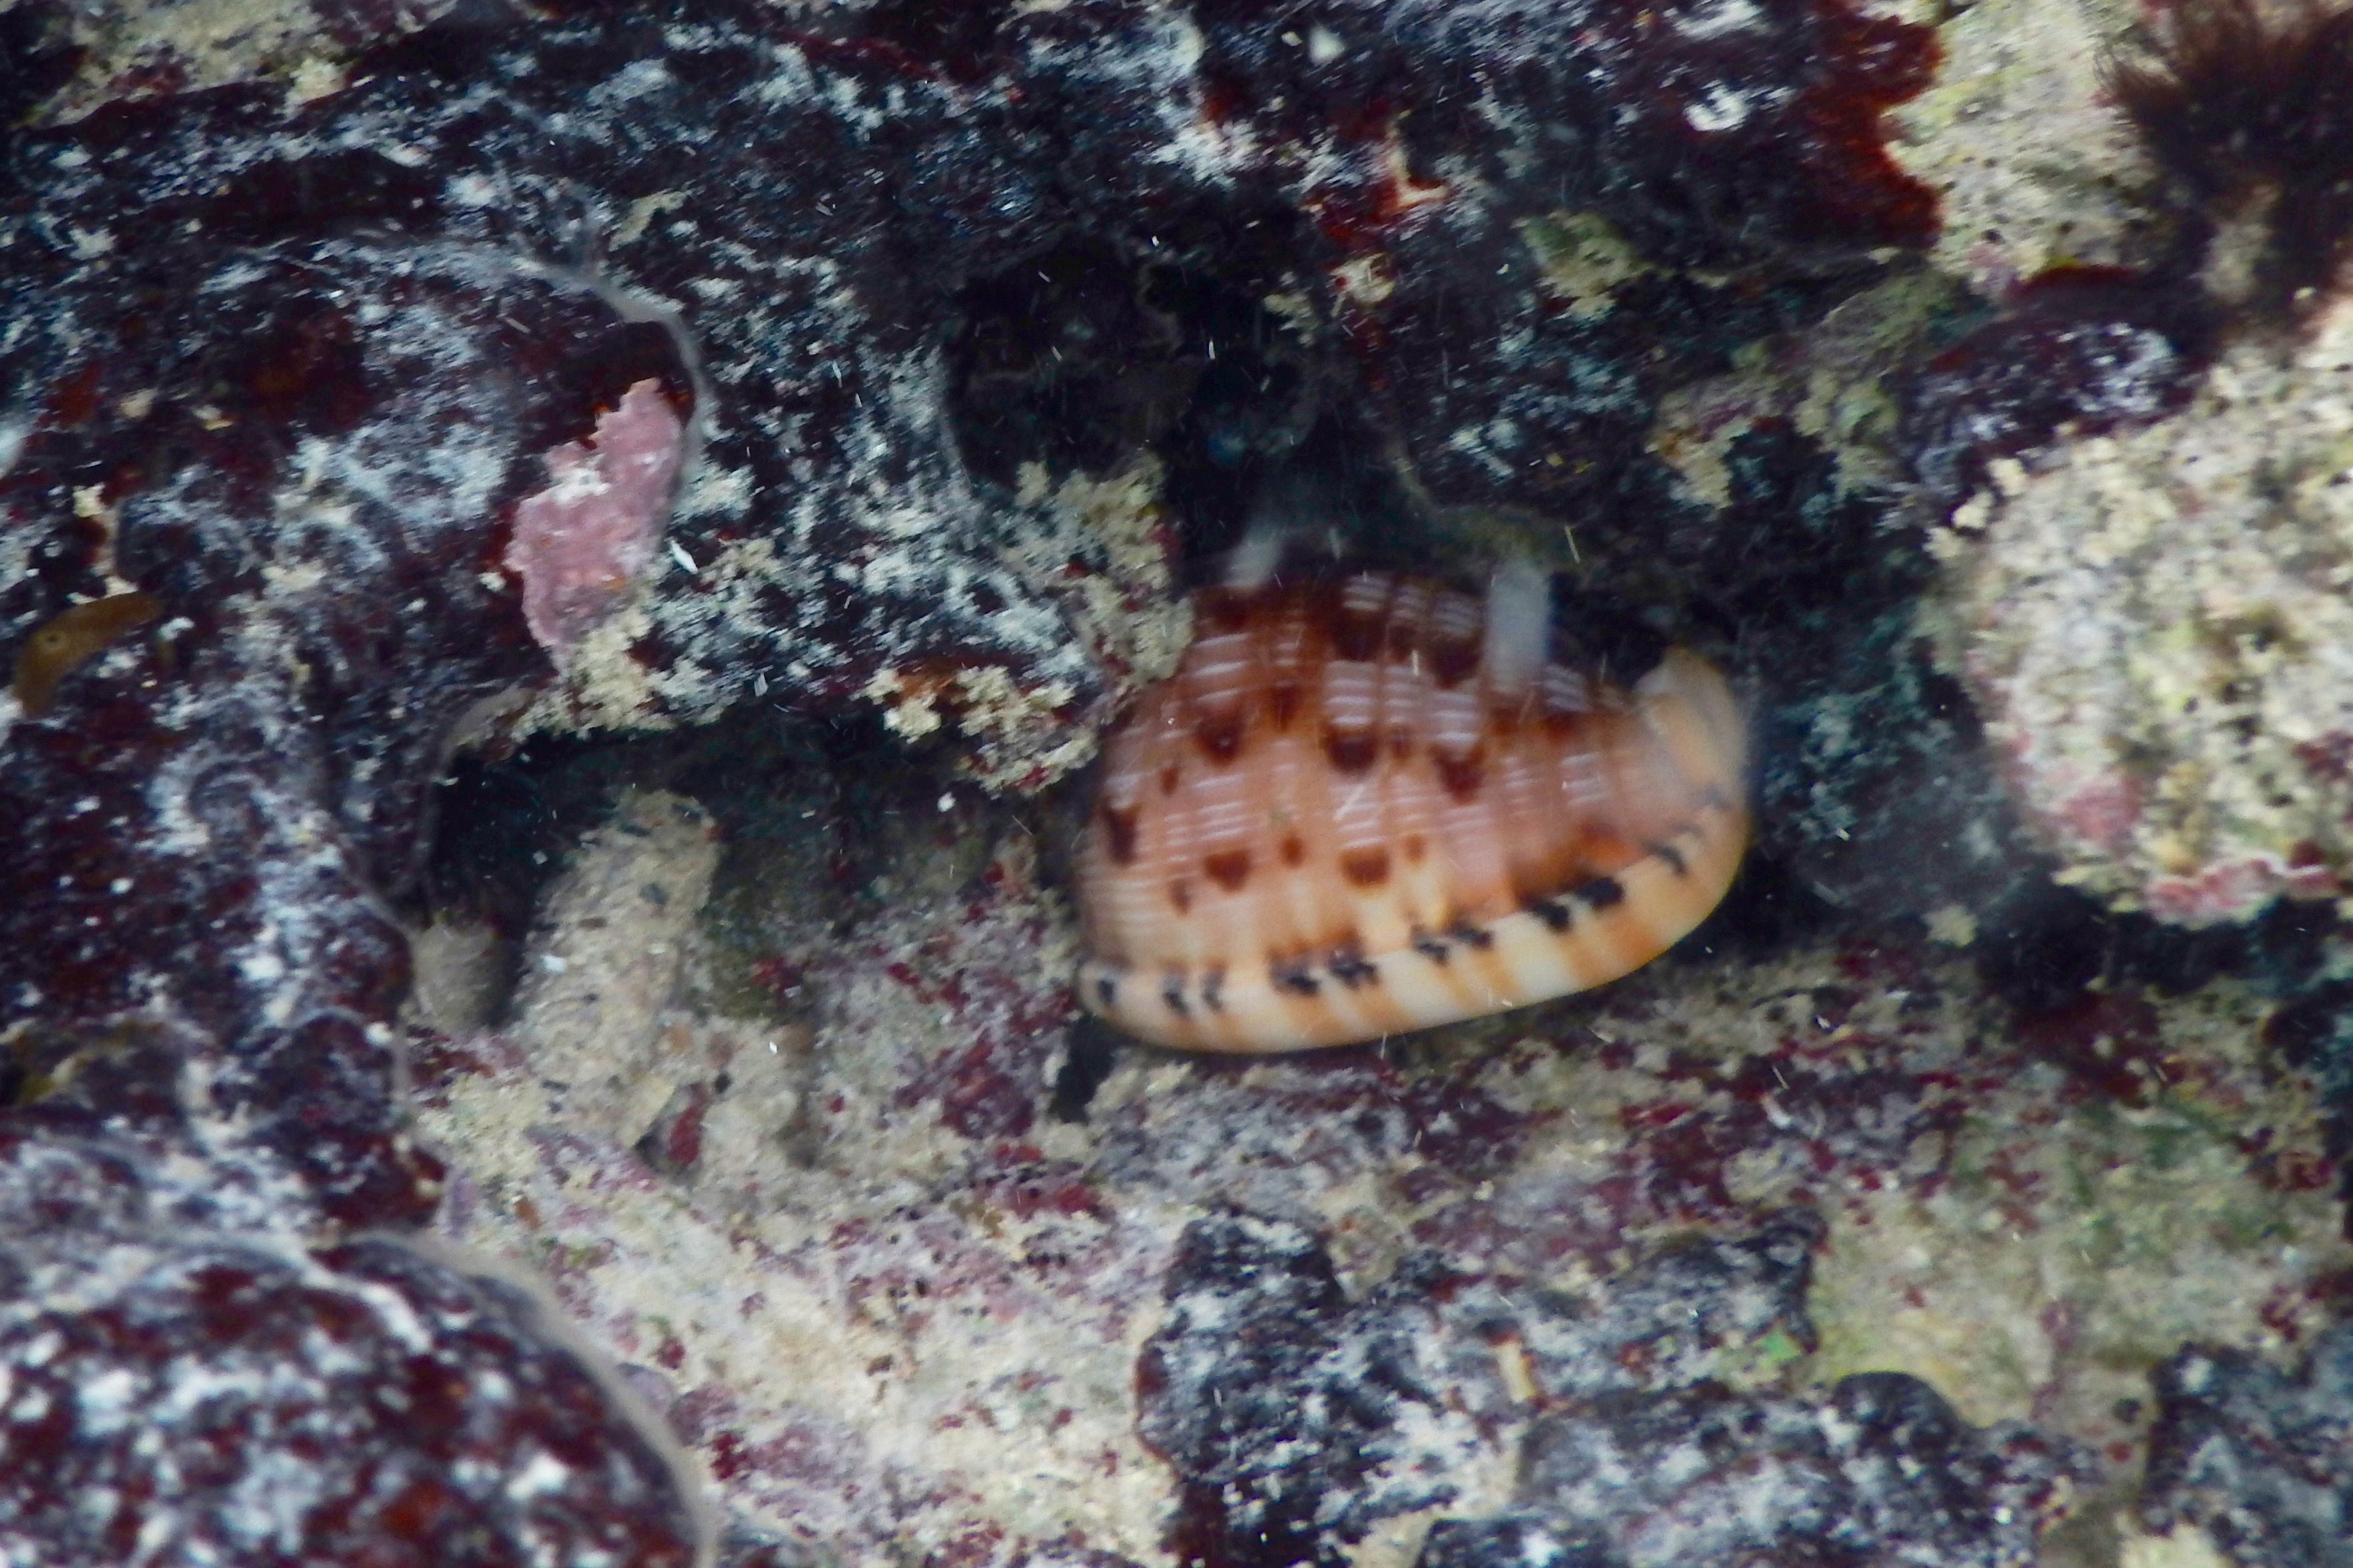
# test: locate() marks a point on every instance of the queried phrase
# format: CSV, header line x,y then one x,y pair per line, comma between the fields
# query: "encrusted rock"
x,y
2158,625
2263,1460
179,1391
1295,1418
1879,1470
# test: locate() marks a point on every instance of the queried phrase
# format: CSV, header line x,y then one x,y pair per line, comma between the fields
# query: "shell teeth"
x,y
1366,807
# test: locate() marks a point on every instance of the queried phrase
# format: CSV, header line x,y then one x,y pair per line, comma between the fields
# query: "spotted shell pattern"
x,y
1368,806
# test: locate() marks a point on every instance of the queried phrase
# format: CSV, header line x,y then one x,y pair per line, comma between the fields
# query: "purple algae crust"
x,y
289,367
181,1389
2089,348
1276,1399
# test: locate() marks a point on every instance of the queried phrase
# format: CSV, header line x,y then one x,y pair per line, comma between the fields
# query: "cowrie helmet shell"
x,y
1372,805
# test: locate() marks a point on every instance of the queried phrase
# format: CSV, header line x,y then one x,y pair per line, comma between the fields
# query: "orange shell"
x,y
1366,806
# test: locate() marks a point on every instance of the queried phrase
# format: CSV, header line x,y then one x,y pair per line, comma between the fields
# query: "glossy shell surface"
x,y
1372,805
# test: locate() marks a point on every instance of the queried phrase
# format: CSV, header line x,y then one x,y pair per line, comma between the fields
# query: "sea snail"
x,y
1370,803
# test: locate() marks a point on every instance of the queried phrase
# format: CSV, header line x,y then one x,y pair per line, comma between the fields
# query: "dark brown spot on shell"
x,y
1119,828
1532,881
1172,990
1223,609
1294,851
1355,635
1283,703
1220,736
59,645
1452,663
1600,893
1401,744
1469,935
1429,946
1229,868
1180,893
1400,640
1213,990
1552,911
1349,968
1106,990
1461,775
1415,847
1351,752
1170,777
1673,857
1366,868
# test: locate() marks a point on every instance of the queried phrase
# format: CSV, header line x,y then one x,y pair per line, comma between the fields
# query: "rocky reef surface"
x,y
562,568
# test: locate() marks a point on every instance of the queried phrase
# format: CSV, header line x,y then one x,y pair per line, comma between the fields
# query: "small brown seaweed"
x,y
59,645
2237,99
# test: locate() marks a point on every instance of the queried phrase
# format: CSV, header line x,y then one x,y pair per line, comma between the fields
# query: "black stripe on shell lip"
x,y
1600,893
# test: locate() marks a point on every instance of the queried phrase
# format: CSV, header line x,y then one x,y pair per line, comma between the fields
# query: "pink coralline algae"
x,y
580,544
